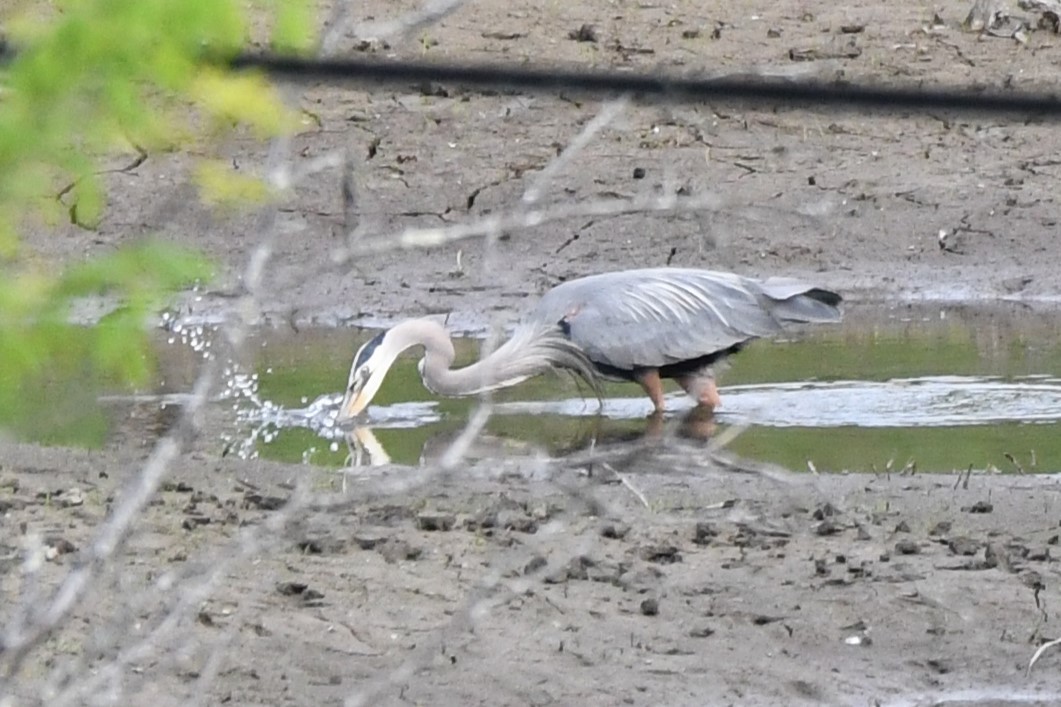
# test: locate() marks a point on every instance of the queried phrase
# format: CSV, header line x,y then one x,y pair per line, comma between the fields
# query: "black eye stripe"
x,y
366,351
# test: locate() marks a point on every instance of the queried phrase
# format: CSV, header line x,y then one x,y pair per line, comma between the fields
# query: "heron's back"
x,y
659,317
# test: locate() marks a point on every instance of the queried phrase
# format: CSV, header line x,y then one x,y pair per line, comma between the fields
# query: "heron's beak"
x,y
353,404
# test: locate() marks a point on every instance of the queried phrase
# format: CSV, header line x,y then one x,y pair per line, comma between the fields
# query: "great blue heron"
x,y
634,325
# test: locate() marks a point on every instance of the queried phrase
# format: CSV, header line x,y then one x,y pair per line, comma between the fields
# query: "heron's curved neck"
x,y
421,332
494,371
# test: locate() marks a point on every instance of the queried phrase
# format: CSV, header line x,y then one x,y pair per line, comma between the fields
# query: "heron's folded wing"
x,y
655,317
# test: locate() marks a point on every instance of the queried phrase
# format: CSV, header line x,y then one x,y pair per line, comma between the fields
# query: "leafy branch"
x,y
91,77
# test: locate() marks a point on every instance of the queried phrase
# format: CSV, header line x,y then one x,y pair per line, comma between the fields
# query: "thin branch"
x,y
604,117
415,238
409,23
757,91
335,24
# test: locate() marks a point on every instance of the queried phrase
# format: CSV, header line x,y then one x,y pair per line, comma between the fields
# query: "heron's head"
x,y
375,358
370,367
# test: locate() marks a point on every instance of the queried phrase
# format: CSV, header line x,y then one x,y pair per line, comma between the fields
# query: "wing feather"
x,y
660,316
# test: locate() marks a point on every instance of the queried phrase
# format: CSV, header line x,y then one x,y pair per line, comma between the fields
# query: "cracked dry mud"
x,y
498,588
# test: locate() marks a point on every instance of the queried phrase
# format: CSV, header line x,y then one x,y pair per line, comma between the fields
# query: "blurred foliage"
x,y
42,350
90,77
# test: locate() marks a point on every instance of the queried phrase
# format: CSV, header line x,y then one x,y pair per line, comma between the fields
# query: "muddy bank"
x,y
883,208
555,587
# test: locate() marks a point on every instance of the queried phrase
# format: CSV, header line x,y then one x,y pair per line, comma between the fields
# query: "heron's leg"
x,y
701,386
649,380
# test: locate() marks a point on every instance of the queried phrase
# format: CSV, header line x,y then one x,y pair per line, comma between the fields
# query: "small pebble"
x,y
907,547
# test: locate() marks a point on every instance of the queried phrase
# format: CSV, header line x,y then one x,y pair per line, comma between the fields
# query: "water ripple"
x,y
941,401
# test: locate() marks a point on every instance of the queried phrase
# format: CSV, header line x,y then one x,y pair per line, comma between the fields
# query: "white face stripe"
x,y
363,356
371,364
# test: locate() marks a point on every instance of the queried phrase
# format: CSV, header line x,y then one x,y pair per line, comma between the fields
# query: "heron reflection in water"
x,y
636,325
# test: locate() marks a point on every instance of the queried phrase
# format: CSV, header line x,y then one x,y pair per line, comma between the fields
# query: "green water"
x,y
866,348
295,368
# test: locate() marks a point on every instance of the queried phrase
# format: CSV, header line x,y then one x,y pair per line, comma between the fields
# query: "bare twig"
x,y
411,238
628,484
335,25
409,23
607,114
459,447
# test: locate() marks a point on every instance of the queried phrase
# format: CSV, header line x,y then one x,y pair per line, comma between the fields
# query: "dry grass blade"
x,y
1039,654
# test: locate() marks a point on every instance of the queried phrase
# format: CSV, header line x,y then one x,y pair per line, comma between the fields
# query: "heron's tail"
x,y
795,301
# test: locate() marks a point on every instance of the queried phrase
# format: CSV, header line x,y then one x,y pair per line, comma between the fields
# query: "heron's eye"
x,y
358,380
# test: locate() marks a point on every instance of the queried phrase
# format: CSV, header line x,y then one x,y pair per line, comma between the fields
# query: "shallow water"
x,y
937,390
933,390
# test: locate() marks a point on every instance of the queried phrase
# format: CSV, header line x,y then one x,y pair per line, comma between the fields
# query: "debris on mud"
x,y
990,18
907,547
264,503
395,550
585,33
704,533
661,554
964,546
57,546
614,530
849,50
504,36
310,597
435,521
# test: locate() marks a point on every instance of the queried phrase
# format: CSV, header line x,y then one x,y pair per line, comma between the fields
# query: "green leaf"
x,y
245,98
90,77
293,31
219,185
